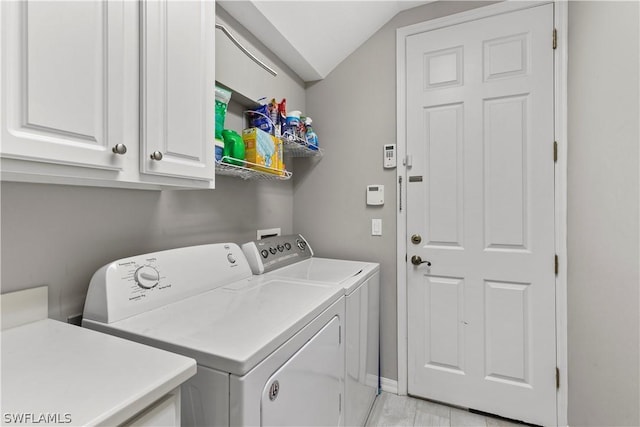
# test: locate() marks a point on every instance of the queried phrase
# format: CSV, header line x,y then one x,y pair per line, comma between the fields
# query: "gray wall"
x,y
354,113
603,213
60,235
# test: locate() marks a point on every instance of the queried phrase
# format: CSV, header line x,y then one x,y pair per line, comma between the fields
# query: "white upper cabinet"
x,y
91,89
63,68
177,101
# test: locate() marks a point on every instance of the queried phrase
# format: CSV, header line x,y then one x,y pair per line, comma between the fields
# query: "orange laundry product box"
x,y
260,149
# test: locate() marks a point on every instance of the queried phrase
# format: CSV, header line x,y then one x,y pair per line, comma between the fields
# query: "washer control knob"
x,y
264,253
273,250
147,277
280,248
287,246
301,244
231,258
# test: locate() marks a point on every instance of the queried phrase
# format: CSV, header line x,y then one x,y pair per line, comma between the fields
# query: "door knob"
x,y
156,155
416,260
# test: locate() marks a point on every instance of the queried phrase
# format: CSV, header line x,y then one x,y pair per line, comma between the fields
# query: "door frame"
x,y
560,132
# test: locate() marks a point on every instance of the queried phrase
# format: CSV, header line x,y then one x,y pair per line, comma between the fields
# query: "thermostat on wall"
x,y
375,195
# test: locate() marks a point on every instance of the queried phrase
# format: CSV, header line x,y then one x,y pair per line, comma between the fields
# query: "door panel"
x,y
507,331
63,70
444,299
481,318
505,172
177,100
444,174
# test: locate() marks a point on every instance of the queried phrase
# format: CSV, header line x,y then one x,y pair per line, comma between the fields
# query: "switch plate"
x,y
376,227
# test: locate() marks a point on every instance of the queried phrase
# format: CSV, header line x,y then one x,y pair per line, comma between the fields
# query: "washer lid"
x,y
347,273
231,328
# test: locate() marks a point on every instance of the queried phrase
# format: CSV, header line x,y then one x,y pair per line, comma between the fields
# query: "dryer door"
x,y
307,389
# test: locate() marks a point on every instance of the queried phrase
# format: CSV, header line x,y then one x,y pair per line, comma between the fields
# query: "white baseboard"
x,y
388,385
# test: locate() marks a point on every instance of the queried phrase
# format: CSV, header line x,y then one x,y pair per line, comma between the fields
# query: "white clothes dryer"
x,y
269,351
291,258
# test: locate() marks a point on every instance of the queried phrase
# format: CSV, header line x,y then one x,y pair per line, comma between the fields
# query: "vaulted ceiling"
x,y
313,37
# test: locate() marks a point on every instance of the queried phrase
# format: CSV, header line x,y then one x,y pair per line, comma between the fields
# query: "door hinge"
x,y
340,403
339,334
557,378
555,151
556,266
555,38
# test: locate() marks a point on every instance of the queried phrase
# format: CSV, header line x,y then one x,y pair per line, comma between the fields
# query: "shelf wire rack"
x,y
293,145
297,147
250,171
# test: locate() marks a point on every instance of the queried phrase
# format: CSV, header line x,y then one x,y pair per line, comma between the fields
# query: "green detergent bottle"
x,y
233,148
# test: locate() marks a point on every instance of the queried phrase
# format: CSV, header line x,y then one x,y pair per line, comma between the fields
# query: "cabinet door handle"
x,y
156,155
119,149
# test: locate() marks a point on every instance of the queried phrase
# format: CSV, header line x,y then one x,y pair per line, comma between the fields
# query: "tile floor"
x,y
392,410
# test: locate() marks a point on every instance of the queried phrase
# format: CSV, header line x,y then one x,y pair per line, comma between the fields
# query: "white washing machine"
x,y
291,258
270,351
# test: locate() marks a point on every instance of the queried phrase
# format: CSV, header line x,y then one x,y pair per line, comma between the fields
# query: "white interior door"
x,y
480,193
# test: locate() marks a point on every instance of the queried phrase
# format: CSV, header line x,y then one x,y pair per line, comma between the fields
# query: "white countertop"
x,y
81,376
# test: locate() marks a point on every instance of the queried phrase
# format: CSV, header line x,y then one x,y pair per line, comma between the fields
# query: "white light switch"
x,y
376,227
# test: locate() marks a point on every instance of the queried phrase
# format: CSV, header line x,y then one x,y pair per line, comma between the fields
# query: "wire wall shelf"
x,y
293,144
296,147
247,171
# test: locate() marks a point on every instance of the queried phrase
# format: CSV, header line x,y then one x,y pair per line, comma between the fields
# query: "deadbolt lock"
x,y
416,238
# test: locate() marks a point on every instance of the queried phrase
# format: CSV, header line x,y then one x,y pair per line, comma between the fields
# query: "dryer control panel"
x,y
275,252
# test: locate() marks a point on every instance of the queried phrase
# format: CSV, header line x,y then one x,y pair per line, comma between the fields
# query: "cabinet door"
x,y
63,66
163,413
178,88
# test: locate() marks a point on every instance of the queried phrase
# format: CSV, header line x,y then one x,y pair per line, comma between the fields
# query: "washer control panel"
x,y
141,283
141,277
275,252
